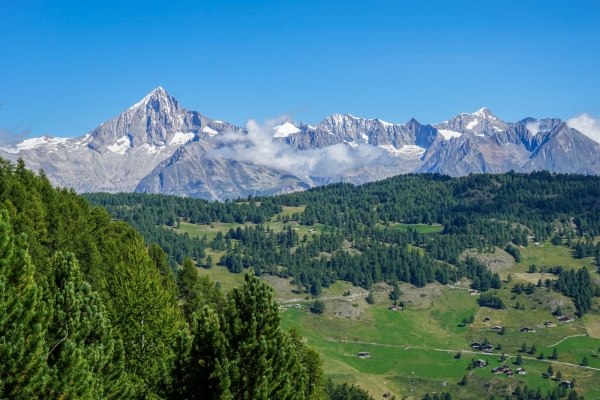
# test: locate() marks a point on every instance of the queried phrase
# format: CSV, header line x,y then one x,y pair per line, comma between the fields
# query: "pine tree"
x,y
554,354
85,361
189,288
550,370
519,360
370,298
396,293
146,317
464,381
313,365
533,349
160,259
23,320
201,368
264,364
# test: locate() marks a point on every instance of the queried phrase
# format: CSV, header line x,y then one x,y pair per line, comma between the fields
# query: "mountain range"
x,y
157,146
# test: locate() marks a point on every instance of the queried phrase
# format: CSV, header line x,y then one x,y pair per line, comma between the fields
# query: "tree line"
x,y
89,310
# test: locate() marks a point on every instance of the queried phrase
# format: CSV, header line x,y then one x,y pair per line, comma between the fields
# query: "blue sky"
x,y
68,66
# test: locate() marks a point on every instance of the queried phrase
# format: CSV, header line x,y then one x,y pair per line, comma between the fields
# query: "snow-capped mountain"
x,y
116,155
156,146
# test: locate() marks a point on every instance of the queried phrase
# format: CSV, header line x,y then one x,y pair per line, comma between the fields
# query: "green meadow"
x,y
413,352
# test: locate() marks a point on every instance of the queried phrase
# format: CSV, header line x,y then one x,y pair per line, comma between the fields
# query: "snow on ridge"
x,y
472,124
181,138
120,147
285,130
152,149
448,134
352,144
210,131
33,143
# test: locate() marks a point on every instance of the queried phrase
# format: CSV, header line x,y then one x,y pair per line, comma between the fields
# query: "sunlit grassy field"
x,y
413,351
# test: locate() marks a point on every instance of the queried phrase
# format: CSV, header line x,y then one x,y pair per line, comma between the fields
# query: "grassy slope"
x,y
431,329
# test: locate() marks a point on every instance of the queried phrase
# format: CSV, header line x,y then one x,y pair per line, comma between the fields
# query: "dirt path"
x,y
462,351
562,340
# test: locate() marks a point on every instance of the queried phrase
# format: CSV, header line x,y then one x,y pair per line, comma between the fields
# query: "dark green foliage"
x,y
345,392
489,300
577,285
396,293
514,251
84,359
533,349
464,380
146,317
23,319
370,298
470,210
519,360
189,289
242,353
312,363
584,361
318,307
316,288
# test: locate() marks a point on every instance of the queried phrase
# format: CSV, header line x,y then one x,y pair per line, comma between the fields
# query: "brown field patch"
x,y
535,277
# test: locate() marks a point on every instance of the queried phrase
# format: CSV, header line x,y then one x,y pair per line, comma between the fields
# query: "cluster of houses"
x,y
505,369
488,348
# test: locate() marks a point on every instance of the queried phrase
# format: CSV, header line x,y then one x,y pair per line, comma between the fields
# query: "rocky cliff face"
x,y
157,146
115,156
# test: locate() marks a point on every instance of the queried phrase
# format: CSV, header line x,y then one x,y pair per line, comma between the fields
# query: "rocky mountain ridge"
x,y
157,146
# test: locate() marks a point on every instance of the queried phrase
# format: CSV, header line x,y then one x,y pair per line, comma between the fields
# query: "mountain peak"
x,y
157,94
484,112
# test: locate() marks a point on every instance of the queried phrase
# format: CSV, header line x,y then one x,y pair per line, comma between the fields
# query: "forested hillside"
x,y
88,310
415,230
482,212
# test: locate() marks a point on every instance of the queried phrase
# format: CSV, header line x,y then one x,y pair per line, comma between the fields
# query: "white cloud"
x,y
259,147
10,137
587,125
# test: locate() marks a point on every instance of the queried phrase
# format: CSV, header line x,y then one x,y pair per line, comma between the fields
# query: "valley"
x,y
413,352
